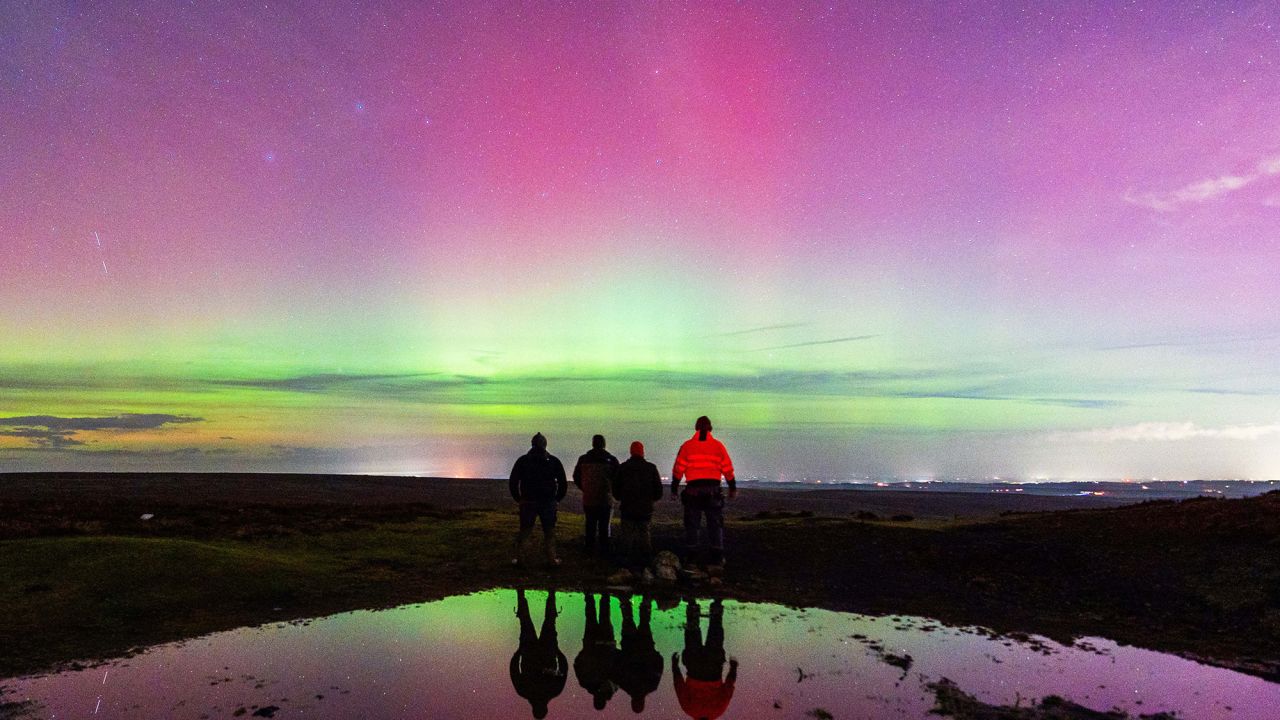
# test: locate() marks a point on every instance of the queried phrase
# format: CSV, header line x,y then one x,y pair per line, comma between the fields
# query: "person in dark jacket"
x,y
639,668
594,664
537,483
593,475
538,669
703,460
637,486
706,693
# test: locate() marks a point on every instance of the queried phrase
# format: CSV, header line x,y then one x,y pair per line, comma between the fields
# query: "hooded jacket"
x,y
593,475
637,485
704,698
702,462
537,476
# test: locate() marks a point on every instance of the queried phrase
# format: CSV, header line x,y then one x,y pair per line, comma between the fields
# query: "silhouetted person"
x,y
703,459
639,668
704,695
637,486
538,669
538,483
593,475
594,665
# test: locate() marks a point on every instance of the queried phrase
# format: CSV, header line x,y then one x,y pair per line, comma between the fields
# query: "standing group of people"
x,y
539,670
538,483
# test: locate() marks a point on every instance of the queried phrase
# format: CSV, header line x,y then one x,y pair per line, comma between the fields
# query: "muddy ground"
x,y
83,576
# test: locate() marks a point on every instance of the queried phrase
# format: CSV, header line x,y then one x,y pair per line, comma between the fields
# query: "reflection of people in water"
x,y
538,669
639,668
704,695
594,665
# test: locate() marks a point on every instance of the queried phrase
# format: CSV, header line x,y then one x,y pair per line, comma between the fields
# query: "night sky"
x,y
909,239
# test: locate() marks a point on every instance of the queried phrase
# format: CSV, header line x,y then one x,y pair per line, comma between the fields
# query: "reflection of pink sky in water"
x,y
449,659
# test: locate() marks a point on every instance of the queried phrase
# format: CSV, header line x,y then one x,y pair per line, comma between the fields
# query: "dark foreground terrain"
x,y
83,576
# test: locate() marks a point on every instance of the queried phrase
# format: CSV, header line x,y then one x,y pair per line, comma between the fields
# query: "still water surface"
x,y
569,655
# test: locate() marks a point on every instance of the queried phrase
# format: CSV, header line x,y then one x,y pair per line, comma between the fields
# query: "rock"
x,y
147,516
666,573
715,571
647,578
715,582
622,577
666,558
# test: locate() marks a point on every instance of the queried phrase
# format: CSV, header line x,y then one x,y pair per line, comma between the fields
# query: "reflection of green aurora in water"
x,y
458,657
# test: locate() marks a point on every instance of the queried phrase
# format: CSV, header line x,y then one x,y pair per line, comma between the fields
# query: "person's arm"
x,y
577,474
655,480
562,483
726,469
733,672
513,484
677,471
675,671
611,474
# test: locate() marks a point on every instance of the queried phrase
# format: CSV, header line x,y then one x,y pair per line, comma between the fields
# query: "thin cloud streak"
x,y
762,328
1203,190
833,341
1171,432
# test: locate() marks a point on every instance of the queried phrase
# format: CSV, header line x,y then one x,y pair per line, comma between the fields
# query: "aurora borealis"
x,y
868,239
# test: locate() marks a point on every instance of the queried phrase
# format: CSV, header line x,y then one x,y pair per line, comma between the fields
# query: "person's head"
x,y
600,701
637,704
703,426
539,441
637,449
597,442
540,710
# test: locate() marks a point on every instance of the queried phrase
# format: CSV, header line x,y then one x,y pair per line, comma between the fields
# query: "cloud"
x,y
1203,190
44,438
1167,432
126,421
1227,391
54,432
762,328
1082,403
832,341
1194,342
320,382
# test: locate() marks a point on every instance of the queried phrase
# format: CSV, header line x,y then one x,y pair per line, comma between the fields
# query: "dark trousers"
x,y
597,526
699,503
705,660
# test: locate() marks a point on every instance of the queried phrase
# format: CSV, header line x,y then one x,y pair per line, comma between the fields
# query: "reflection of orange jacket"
x,y
702,460
703,698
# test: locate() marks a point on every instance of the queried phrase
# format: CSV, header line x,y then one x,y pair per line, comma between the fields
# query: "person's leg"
x,y
603,517
692,628
527,513
622,544
715,527
527,633
588,529
643,542
646,614
606,618
589,612
547,515
628,617
548,634
715,631
692,520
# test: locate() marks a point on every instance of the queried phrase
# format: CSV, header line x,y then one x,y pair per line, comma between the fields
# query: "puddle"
x,y
477,656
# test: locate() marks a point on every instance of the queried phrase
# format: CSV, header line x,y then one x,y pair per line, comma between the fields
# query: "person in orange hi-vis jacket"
x,y
706,693
702,460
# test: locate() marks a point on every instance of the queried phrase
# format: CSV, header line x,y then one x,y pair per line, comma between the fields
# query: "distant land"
x,y
1125,490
